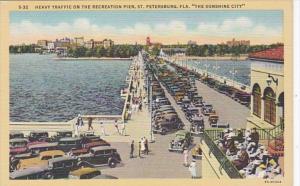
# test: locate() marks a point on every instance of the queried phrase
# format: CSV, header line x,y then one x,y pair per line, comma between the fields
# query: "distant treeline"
x,y
122,51
217,50
15,49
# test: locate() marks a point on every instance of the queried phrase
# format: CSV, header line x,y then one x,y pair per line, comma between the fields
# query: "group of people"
x,y
249,157
143,147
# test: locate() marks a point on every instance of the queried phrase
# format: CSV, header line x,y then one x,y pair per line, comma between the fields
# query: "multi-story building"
x,y
234,42
79,41
89,44
42,43
98,43
107,43
64,42
267,77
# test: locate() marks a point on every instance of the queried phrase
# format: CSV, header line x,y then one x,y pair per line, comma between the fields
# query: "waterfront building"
x,y
234,42
51,46
98,43
267,77
107,43
42,43
89,44
64,42
79,41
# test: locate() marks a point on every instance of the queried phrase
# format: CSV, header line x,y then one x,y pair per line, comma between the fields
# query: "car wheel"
x,y
163,132
112,163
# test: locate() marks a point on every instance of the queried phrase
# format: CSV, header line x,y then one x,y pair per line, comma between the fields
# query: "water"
x,y
44,89
238,71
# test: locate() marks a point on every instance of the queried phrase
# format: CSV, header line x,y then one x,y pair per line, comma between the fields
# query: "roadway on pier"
x,y
227,109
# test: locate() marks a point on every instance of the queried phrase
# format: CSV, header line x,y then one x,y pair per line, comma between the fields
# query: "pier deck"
x,y
228,110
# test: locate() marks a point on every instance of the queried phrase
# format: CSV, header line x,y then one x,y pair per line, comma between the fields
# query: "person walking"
x,y
122,128
185,157
146,146
139,149
116,126
193,169
131,149
90,127
143,145
102,129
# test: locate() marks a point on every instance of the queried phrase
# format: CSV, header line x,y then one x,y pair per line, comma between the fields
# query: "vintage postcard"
x,y
146,92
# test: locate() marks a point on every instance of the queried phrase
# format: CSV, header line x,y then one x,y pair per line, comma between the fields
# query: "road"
x,y
227,109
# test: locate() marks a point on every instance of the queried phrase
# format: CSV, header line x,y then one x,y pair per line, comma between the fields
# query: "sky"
x,y
167,27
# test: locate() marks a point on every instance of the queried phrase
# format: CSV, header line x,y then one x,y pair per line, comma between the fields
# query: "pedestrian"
x,y
122,128
90,127
193,169
79,121
129,113
185,157
116,126
143,145
140,106
146,146
102,129
131,149
140,149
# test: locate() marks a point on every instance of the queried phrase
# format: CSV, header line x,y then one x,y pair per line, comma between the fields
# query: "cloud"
x,y
240,26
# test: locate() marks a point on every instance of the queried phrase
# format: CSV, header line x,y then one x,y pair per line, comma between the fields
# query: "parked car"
x,y
213,119
66,144
60,167
44,146
15,134
197,126
32,173
38,136
84,173
183,139
62,134
18,146
86,147
99,156
164,127
41,159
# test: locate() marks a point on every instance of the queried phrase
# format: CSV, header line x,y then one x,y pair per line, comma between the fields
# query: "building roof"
x,y
273,55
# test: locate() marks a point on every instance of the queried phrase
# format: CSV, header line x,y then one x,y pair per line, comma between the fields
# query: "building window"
x,y
256,100
270,106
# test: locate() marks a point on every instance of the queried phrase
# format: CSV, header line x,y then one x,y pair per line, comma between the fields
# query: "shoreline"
x,y
225,58
91,58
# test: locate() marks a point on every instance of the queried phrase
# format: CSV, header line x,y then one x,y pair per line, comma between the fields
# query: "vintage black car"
x,y
13,135
38,136
163,127
60,167
62,134
66,144
183,139
99,156
197,126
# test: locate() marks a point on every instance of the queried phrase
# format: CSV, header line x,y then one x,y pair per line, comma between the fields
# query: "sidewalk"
x,y
138,126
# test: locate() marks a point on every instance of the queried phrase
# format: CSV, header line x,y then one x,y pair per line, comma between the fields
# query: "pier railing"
x,y
225,163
